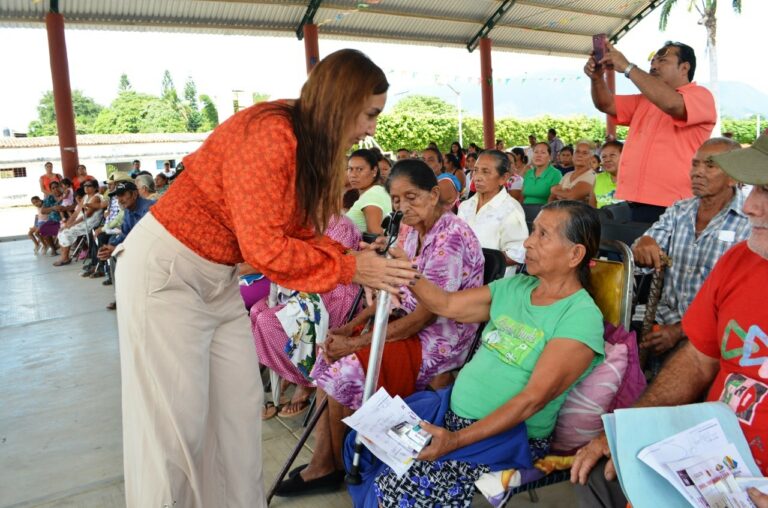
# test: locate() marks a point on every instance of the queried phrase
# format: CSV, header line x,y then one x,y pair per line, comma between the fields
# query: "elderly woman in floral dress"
x,y
421,347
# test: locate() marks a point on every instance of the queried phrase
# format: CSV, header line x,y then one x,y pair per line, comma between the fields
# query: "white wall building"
x,y
22,160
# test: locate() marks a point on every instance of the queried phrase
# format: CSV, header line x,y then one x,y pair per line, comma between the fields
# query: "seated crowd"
x,y
80,219
541,317
543,332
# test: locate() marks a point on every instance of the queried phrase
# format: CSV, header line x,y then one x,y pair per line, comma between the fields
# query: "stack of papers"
x,y
702,465
674,439
390,430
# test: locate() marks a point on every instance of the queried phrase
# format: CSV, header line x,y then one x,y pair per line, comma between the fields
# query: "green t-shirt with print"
x,y
536,189
605,190
512,342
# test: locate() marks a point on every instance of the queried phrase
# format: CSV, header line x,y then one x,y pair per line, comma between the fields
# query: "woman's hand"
x,y
339,346
345,330
377,272
443,442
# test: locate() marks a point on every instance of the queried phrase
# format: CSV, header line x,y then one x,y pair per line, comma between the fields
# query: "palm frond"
x,y
665,10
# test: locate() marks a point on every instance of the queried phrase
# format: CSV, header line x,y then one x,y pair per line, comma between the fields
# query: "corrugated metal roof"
x,y
558,27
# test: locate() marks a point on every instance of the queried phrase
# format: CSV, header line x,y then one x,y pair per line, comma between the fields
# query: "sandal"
x,y
294,409
62,263
270,411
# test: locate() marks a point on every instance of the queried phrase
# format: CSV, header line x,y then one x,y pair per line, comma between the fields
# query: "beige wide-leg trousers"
x,y
192,393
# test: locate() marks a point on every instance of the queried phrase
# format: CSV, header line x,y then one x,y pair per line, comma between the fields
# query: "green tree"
x,y
190,110
124,115
124,85
168,90
160,115
415,132
260,97
209,114
86,110
419,105
707,10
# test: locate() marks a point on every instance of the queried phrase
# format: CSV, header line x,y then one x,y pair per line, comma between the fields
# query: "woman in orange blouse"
x,y
192,393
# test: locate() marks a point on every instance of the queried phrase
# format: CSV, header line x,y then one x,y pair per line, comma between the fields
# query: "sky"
x,y
220,64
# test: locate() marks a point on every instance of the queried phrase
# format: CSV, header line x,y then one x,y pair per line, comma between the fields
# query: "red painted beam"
x,y
486,86
62,93
311,48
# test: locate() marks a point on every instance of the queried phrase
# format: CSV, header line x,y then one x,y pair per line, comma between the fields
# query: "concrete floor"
x,y
60,432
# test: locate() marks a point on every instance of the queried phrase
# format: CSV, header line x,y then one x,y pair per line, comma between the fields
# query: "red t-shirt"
x,y
656,161
728,320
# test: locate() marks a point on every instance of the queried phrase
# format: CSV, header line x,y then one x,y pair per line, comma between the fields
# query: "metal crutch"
x,y
392,228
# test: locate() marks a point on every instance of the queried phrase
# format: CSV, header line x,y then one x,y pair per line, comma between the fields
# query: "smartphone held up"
x,y
599,47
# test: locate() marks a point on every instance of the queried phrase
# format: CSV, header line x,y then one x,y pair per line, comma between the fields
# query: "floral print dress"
x,y
451,258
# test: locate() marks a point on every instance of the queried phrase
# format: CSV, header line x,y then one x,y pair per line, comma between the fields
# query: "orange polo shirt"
x,y
236,201
656,160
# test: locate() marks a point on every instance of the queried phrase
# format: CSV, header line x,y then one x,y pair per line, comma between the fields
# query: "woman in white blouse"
x,y
496,218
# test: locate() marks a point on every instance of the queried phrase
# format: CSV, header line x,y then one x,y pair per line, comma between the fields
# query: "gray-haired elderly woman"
x,y
146,186
496,218
544,334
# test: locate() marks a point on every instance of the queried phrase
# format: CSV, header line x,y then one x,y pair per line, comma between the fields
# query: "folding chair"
x,y
531,211
313,414
612,289
494,269
78,246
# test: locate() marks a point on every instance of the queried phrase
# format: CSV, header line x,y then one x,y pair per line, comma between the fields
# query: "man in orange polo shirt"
x,y
668,121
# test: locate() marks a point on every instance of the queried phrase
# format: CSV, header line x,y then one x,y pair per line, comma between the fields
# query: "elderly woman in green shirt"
x,y
544,334
539,180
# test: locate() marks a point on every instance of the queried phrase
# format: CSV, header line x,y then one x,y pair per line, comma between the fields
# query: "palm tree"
x,y
707,10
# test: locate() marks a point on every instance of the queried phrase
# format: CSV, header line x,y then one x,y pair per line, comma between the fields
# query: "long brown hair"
x,y
331,100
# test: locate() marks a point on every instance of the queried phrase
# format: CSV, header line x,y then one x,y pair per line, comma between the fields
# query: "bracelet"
x,y
629,69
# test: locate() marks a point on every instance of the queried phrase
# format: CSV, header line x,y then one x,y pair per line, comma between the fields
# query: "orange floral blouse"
x,y
236,201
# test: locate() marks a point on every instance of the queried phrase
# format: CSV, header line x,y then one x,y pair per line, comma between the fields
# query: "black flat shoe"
x,y
297,470
296,486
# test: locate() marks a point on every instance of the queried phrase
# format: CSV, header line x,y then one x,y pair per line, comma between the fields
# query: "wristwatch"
x,y
629,69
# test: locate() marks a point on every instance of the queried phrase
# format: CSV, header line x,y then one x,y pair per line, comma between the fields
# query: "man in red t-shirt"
x,y
668,121
727,329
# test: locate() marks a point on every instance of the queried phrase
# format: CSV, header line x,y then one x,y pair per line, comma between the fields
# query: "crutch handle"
x,y
391,226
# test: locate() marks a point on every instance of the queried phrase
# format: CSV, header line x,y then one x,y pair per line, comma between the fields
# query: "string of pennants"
x,y
497,81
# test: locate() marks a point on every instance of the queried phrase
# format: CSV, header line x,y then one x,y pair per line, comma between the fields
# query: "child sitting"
x,y
68,199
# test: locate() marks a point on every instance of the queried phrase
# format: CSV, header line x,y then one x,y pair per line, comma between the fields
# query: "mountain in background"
x,y
568,95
